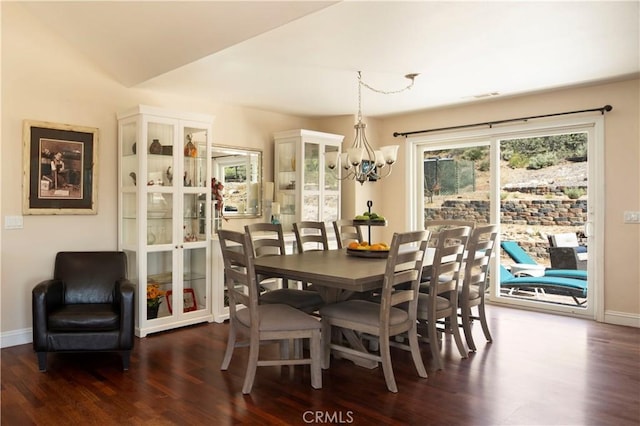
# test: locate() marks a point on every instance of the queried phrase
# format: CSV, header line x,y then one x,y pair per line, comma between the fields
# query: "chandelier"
x,y
361,162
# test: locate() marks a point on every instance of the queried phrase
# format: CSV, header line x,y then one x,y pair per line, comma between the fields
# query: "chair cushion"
x,y
474,292
275,317
84,317
423,304
362,311
299,299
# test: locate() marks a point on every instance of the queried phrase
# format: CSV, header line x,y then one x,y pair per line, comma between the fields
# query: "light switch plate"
x,y
631,217
13,222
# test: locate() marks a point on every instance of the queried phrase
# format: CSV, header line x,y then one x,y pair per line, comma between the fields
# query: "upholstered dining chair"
x,y
88,305
437,310
262,322
346,231
472,291
267,239
384,319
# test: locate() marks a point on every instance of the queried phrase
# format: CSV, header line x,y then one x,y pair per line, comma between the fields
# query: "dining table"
x,y
336,275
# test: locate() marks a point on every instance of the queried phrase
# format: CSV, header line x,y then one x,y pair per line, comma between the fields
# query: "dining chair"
x,y
472,291
310,235
435,227
267,239
437,310
262,322
384,319
346,231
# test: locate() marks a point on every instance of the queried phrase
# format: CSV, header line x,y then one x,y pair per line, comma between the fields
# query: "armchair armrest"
x,y
124,297
45,296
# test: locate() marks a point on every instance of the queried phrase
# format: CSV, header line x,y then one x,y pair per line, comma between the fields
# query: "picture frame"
x,y
60,169
189,303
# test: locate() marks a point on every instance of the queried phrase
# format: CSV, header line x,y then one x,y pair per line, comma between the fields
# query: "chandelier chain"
x,y
388,92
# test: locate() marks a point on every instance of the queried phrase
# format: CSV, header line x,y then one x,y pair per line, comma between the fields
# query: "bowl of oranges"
x,y
364,249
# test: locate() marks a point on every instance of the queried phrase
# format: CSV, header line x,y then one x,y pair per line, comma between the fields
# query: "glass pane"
x,y
159,218
129,219
195,157
160,154
311,166
286,153
287,210
311,207
129,164
195,282
330,208
159,282
330,176
543,183
194,217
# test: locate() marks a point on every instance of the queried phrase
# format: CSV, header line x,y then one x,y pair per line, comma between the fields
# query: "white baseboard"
x,y
622,318
16,337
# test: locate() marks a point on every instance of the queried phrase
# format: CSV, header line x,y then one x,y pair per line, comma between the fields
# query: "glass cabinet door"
x,y
159,284
194,268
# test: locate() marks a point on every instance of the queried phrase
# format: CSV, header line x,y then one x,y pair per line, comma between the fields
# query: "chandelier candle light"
x,y
361,162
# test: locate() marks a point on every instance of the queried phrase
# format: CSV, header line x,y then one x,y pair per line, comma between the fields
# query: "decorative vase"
x,y
152,311
155,147
190,149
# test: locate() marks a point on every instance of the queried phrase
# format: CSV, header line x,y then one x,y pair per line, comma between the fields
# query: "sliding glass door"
x,y
536,183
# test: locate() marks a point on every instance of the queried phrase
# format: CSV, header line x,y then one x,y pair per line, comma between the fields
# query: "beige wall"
x,y
42,79
622,170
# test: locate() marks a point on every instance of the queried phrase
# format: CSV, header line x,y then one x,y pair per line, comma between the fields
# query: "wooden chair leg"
x,y
415,353
387,368
231,344
483,321
434,344
326,344
316,359
466,327
252,365
455,329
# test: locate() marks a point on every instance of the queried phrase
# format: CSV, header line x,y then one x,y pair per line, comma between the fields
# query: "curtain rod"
x,y
602,110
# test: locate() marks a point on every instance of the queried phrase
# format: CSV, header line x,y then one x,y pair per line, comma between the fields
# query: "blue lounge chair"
x,y
515,252
555,285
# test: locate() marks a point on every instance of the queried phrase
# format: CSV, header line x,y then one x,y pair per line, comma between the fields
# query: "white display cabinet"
x,y
164,220
305,188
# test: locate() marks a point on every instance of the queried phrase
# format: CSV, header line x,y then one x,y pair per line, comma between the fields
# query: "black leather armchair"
x,y
88,305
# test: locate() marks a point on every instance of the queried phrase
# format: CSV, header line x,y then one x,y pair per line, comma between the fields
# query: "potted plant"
x,y
154,299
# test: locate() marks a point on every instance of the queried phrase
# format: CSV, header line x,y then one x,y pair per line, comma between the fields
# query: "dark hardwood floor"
x,y
541,370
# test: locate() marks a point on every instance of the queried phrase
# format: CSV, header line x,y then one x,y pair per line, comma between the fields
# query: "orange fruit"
x,y
353,245
377,247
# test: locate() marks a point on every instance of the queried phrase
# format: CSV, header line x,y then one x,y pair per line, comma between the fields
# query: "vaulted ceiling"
x,y
302,57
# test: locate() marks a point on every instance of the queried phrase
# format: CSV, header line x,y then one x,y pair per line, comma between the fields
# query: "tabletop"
x,y
328,268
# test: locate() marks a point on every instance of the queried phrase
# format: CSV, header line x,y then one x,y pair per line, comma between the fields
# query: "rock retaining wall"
x,y
516,212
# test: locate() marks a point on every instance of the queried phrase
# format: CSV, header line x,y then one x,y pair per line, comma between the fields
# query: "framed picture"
x,y
60,168
188,300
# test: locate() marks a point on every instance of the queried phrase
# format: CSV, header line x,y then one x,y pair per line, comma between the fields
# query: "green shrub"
x,y
484,166
518,161
473,154
540,161
504,195
574,193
